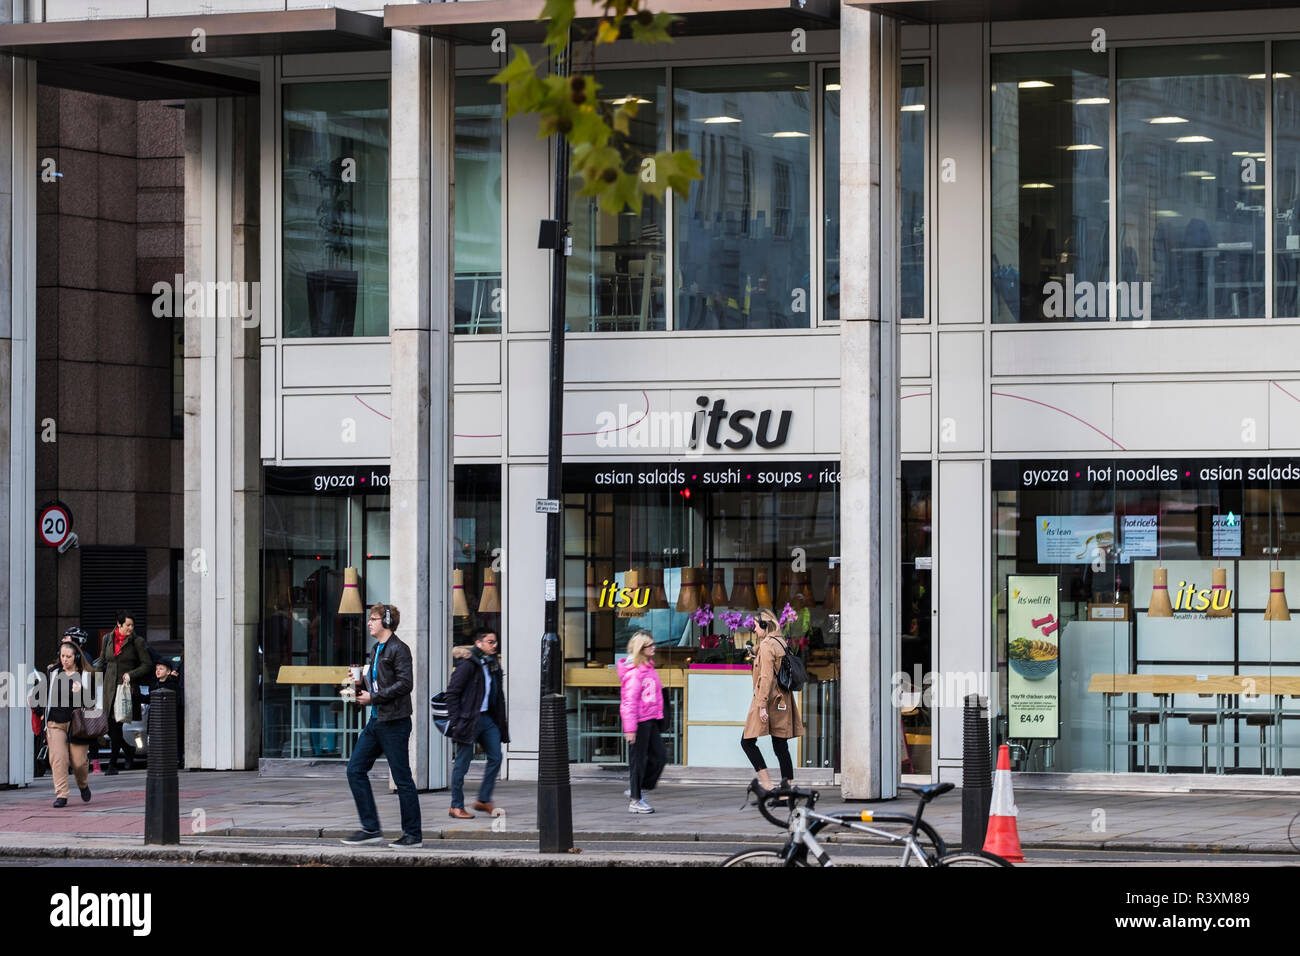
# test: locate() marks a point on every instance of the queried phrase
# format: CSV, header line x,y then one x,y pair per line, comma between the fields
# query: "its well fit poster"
x,y
1033,674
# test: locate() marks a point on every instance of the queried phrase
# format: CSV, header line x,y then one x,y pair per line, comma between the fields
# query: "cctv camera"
x,y
69,542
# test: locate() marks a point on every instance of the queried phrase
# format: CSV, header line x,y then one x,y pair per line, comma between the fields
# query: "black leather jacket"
x,y
393,702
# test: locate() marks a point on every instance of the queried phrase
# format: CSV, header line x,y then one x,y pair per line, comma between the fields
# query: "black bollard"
x,y
162,801
554,801
976,773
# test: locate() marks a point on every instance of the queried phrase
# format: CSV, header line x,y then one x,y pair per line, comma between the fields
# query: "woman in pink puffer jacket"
x,y
641,704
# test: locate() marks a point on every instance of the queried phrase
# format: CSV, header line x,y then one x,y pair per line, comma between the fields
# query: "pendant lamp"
x,y
658,597
631,584
351,600
782,589
801,592
1277,609
833,591
762,590
688,595
719,596
489,601
742,590
459,607
1160,606
1219,592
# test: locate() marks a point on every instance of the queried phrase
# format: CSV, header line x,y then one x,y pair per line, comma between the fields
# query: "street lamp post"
x,y
554,799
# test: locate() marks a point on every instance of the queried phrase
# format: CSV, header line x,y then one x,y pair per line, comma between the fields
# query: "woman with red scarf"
x,y
125,661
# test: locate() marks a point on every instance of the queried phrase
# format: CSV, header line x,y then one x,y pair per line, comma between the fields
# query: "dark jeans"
x,y
389,737
646,757
489,735
116,744
779,746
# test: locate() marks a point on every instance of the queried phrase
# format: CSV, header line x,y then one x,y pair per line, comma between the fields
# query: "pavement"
x,y
241,817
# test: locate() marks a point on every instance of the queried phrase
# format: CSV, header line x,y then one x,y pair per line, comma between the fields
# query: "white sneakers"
x,y
640,806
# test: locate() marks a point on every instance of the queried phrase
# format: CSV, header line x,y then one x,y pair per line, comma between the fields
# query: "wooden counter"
x,y
1245,684
608,676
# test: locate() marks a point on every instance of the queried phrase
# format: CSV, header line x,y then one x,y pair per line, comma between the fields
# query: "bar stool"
x,y
1263,722
1145,720
1205,722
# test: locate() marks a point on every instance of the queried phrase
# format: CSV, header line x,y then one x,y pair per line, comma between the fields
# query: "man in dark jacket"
x,y
126,663
387,695
476,713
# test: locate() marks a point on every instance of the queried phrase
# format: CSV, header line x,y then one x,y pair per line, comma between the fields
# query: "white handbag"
x,y
122,704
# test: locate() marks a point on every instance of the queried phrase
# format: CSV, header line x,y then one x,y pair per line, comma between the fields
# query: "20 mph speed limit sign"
x,y
54,525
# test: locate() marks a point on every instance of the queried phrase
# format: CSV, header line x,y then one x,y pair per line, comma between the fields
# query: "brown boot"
x,y
487,807
460,813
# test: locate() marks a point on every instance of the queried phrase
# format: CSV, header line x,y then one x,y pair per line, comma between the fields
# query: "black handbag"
x,y
791,674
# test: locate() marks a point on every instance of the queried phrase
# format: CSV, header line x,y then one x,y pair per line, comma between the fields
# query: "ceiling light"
x,y
1037,186
913,108
1199,172
832,87
1163,120
719,119
1276,76
1092,101
1207,178
1259,156
1034,84
1081,146
1166,214
788,134
1241,152
623,100
1193,139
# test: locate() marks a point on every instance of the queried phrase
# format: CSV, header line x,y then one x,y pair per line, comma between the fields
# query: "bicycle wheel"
x,y
763,858
970,858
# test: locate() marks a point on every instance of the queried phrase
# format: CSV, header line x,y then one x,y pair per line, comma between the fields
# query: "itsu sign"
x,y
54,524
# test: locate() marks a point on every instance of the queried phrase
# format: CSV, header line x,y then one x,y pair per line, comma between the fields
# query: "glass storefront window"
x,y
831,191
1147,644
917,561
308,540
1192,222
741,548
616,272
479,301
334,239
742,240
1051,186
913,170
477,549
1286,182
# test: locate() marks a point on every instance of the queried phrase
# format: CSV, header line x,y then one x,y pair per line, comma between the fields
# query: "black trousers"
x,y
117,744
646,758
779,745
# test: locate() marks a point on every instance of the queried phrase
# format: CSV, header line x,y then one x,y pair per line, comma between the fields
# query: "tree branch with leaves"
x,y
613,169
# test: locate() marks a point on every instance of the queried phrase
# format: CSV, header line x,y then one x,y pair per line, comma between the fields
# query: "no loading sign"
x,y
54,524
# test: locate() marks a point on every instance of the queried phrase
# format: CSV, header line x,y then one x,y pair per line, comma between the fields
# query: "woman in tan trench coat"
x,y
773,711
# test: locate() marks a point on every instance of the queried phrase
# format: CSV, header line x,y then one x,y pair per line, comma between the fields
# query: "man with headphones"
x,y
387,695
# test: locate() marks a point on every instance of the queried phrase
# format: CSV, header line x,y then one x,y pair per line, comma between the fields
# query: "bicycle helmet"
x,y
78,635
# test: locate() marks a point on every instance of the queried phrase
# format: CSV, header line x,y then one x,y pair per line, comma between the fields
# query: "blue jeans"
x,y
490,737
390,738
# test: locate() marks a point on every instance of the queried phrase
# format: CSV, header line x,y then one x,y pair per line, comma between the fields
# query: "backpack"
x,y
439,712
792,674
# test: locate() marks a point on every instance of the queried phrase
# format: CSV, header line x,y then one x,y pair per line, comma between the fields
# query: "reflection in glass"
x,y
477,544
912,167
1286,184
335,200
1051,187
616,272
1191,155
742,240
479,302
831,190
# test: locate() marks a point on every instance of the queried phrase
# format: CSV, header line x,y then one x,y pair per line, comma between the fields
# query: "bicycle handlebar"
x,y
766,797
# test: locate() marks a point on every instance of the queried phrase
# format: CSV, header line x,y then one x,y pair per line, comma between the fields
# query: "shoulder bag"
x,y
89,723
791,674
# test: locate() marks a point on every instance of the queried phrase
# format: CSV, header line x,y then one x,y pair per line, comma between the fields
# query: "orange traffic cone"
x,y
1002,838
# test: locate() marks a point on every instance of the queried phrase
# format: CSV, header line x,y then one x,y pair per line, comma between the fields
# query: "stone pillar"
x,y
868,403
18,180
420,248
223,514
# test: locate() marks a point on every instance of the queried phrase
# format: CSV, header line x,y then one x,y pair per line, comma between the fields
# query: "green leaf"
x,y
525,95
654,32
518,68
622,122
623,193
685,169
607,32
589,127
560,13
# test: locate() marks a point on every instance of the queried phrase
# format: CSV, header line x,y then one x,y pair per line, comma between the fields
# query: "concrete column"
x,y
18,181
868,403
420,318
223,516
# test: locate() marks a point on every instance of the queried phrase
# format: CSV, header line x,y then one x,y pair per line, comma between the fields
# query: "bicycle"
x,y
804,823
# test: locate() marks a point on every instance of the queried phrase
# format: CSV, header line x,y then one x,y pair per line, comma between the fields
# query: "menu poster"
x,y
1226,534
1074,539
1139,537
1033,657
